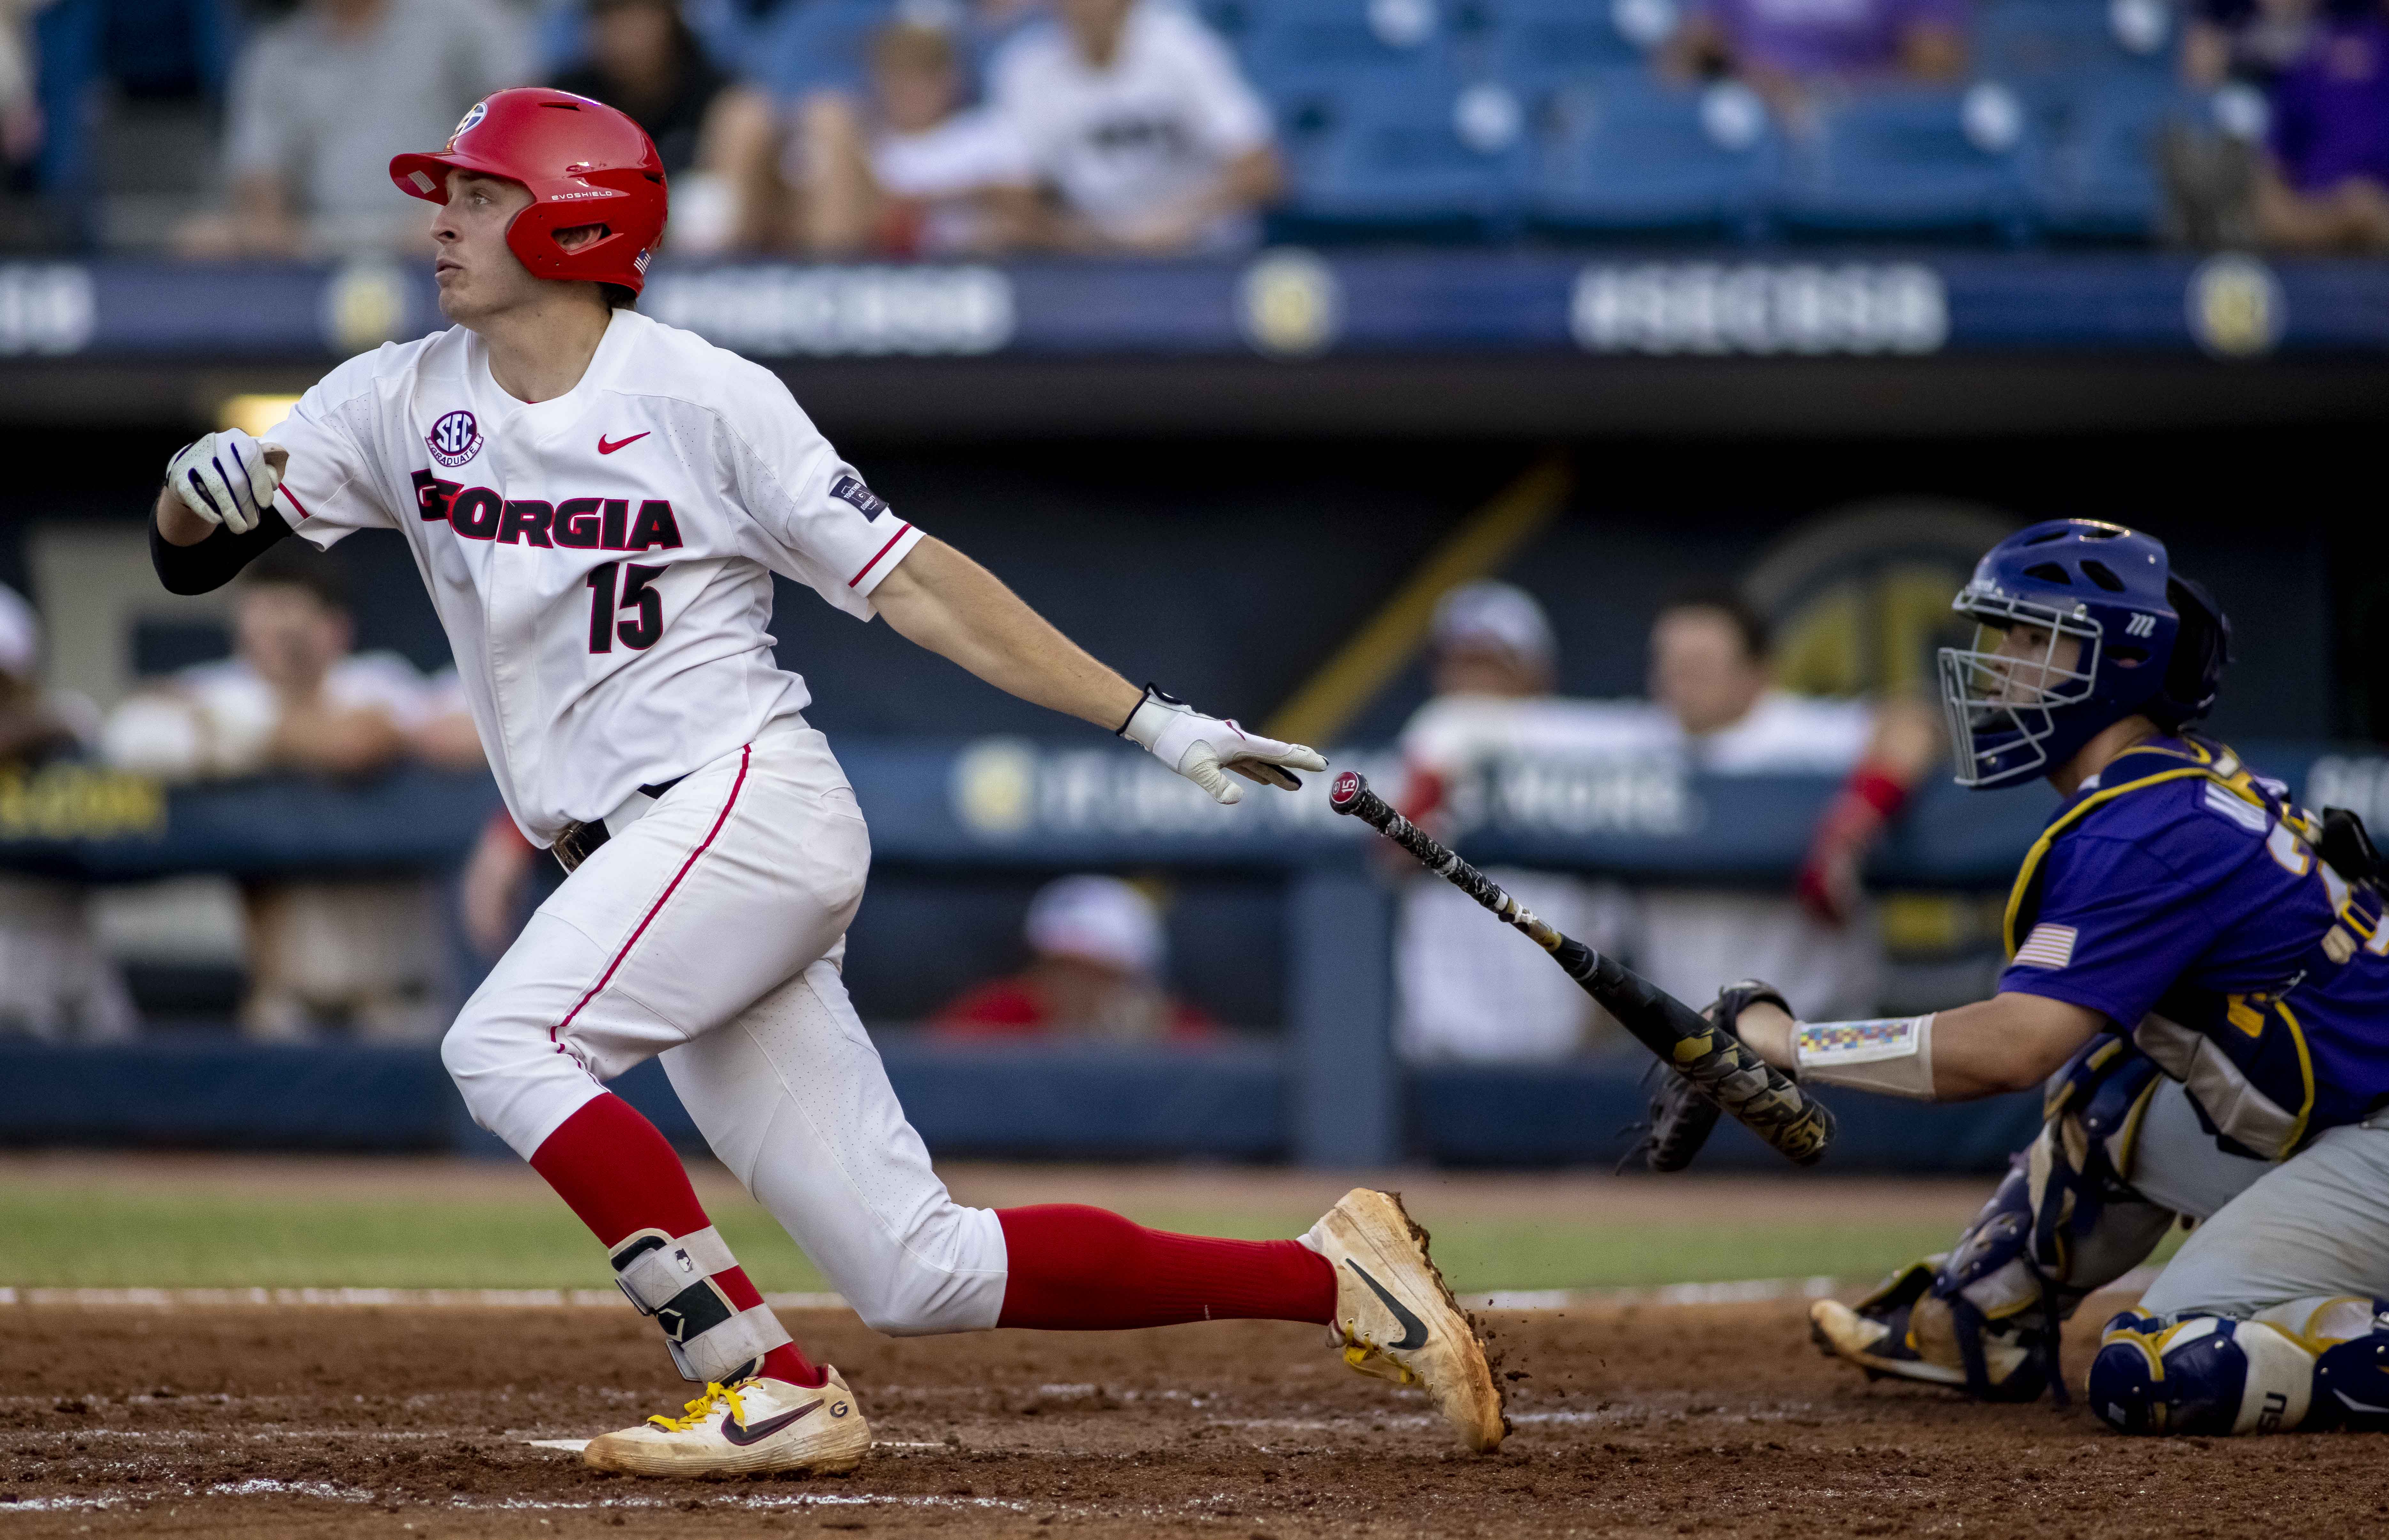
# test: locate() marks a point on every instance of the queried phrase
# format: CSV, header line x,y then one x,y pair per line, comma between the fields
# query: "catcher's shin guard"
x,y
1987,1318
2199,1374
1982,1319
2311,1362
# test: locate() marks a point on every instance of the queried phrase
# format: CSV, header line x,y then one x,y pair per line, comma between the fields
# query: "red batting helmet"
x,y
584,162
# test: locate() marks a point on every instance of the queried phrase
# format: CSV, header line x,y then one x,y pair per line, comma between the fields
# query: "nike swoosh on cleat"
x,y
742,1436
1413,1329
605,448
2355,1405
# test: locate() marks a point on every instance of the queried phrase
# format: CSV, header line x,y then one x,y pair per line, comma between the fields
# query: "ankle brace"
x,y
671,1278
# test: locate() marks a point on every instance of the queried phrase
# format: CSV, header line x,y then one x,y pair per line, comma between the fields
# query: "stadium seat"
x,y
2101,178
151,51
1436,159
1314,50
817,43
1913,162
1632,155
2052,52
1540,45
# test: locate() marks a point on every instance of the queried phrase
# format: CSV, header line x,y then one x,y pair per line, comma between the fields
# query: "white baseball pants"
x,y
708,932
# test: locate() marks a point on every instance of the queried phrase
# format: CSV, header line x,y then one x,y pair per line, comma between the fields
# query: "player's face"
x,y
288,634
478,274
1700,671
1094,25
2034,663
914,95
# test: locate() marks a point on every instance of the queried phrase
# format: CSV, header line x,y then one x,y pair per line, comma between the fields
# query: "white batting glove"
x,y
1200,748
224,478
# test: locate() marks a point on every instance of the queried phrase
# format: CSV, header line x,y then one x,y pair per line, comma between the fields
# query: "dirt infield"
x,y
1631,1421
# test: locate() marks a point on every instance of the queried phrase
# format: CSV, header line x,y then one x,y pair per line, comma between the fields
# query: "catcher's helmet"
x,y
584,162
2146,640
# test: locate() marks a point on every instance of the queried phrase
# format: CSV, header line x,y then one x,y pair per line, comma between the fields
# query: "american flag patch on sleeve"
x,y
2048,946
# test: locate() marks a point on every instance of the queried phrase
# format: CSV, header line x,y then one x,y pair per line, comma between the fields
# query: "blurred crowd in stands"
x,y
1477,992
893,128
365,955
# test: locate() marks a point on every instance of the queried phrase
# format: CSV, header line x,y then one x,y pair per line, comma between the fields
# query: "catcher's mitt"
x,y
1682,1117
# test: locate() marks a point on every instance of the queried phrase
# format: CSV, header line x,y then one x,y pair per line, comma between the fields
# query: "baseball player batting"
x,y
597,503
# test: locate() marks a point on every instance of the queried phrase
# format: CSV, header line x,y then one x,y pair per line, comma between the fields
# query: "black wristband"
x,y
208,564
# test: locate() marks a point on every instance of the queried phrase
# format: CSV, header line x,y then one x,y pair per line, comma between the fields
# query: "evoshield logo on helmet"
x,y
455,438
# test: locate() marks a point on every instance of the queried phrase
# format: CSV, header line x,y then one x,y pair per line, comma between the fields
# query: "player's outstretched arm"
x,y
2011,1042
941,599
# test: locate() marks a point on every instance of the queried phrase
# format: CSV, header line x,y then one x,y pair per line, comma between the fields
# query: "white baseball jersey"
x,y
1151,127
602,561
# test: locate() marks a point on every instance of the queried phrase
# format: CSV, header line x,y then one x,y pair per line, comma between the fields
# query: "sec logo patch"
x,y
455,438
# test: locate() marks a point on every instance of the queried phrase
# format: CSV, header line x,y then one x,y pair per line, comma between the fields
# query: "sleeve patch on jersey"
x,y
2247,816
849,490
2048,946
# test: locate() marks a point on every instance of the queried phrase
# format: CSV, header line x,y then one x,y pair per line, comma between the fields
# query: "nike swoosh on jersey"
x,y
1413,1329
605,448
742,1436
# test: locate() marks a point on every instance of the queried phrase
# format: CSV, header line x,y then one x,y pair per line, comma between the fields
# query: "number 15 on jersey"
x,y
638,601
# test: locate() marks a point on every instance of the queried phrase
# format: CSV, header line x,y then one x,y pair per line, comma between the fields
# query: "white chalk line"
x,y
575,1445
266,1486
1729,1291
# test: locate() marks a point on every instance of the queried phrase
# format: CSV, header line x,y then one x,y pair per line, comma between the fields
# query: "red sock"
x,y
622,1176
1079,1269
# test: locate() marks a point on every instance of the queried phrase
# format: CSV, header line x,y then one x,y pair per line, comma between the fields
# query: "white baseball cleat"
x,y
1396,1319
755,1425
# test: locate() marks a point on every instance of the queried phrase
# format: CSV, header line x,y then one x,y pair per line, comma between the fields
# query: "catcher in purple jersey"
x,y
2199,976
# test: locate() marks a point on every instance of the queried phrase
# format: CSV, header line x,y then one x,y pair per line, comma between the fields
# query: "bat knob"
x,y
1346,795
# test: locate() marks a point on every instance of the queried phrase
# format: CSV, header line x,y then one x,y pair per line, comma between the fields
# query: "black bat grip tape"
x,y
1716,1063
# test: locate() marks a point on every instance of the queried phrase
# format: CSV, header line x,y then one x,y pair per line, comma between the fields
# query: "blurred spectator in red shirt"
x,y
1099,949
2326,184
1781,47
645,59
913,173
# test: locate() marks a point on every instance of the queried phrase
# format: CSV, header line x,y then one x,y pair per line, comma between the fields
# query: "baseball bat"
x,y
1719,1066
